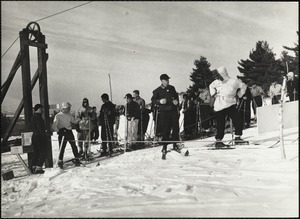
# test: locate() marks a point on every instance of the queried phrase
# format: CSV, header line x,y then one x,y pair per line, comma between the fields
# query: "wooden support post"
x,y
18,111
43,87
26,82
12,73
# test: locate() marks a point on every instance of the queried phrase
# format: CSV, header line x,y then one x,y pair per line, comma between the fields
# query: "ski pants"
x,y
95,133
39,143
142,126
169,121
83,139
236,121
256,102
107,134
69,137
244,111
205,116
132,130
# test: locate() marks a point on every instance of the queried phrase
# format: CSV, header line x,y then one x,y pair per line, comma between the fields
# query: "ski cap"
x,y
105,96
164,77
290,74
37,106
65,105
128,96
223,72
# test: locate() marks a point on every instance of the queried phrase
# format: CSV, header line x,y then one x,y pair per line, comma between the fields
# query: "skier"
x,y
186,105
205,109
167,98
143,124
256,92
86,125
107,120
224,91
292,85
62,124
38,139
275,92
133,115
95,130
244,108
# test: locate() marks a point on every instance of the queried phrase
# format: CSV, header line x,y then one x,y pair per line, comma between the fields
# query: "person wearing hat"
x,y
275,92
38,139
224,91
62,124
106,120
86,125
257,93
143,124
133,115
166,98
292,86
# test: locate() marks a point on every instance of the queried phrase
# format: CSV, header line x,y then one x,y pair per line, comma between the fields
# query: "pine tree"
x,y
201,75
293,62
262,67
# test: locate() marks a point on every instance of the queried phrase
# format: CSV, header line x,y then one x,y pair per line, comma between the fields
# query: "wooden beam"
x,y
26,83
18,111
42,60
10,77
37,44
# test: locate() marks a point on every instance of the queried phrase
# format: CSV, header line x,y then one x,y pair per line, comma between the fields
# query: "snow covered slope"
x,y
250,181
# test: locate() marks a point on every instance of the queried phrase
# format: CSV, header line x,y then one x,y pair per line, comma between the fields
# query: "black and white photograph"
x,y
149,109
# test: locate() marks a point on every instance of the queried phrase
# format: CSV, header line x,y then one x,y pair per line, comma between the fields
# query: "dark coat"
x,y
169,93
133,110
107,109
37,124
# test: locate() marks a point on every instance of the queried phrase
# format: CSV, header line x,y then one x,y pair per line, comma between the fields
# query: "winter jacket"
x,y
169,93
226,92
88,118
107,109
133,110
37,124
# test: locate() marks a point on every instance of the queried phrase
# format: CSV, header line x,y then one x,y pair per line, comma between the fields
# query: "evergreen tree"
x,y
293,62
201,75
262,67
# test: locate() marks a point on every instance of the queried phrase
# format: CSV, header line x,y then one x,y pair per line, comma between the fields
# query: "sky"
x,y
136,42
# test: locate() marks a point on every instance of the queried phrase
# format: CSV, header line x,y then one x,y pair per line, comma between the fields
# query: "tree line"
x,y
261,67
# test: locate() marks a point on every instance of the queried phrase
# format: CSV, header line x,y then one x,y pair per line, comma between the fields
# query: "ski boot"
x,y
77,162
176,148
39,170
239,141
220,145
164,153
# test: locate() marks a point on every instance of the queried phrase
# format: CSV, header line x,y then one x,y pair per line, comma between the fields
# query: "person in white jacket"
x,y
224,92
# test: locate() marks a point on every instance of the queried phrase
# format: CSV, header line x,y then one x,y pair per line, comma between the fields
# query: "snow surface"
x,y
250,181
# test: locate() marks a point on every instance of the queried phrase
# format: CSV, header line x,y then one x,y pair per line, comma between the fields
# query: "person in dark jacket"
x,y
133,115
244,108
107,120
38,139
292,85
166,97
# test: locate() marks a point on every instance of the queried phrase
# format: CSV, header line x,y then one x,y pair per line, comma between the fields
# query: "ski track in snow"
x,y
251,180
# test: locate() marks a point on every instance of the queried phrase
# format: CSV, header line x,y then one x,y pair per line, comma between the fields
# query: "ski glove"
x,y
163,101
175,102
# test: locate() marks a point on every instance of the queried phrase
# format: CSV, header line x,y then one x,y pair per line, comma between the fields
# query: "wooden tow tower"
x,y
30,36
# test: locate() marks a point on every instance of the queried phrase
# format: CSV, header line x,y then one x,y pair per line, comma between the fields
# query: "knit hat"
x,y
223,72
65,105
128,96
37,106
105,96
290,74
164,77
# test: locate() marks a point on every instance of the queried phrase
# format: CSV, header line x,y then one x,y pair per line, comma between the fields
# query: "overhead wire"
x,y
47,18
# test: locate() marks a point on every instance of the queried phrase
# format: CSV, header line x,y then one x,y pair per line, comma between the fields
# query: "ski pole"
x,y
60,146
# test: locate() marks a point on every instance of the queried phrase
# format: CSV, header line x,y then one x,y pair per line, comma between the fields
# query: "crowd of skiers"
x,y
209,106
